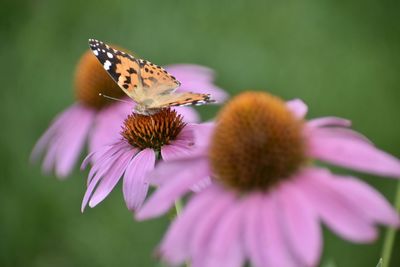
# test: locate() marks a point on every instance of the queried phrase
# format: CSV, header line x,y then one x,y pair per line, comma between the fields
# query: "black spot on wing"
x,y
107,56
132,71
189,101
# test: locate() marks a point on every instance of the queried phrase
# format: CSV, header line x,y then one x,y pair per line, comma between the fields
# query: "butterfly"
x,y
150,86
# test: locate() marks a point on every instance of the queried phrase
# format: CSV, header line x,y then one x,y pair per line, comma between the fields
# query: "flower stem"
x,y
390,234
178,207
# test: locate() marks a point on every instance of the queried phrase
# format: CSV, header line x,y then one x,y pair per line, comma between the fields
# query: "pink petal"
x,y
201,185
197,79
187,133
225,248
191,72
107,126
174,247
175,151
189,114
301,225
353,154
298,107
253,225
54,127
135,185
202,134
107,154
92,184
111,178
328,121
339,132
72,142
276,250
50,158
94,177
204,231
366,199
174,188
342,217
64,140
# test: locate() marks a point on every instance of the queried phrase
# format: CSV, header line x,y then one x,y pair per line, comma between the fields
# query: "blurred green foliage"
x,y
341,57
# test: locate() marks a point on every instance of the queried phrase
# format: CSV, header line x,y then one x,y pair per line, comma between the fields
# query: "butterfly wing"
x,y
178,99
156,80
138,78
148,84
123,68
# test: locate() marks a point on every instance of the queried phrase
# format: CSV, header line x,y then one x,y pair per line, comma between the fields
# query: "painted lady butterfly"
x,y
149,85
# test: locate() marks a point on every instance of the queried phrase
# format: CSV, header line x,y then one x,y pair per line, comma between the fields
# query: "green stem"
x,y
178,207
390,234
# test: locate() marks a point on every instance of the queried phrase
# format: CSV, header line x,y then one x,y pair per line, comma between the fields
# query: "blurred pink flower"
x,y
275,222
145,140
98,120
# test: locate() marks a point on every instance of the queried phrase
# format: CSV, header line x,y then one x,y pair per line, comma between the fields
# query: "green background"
x,y
341,57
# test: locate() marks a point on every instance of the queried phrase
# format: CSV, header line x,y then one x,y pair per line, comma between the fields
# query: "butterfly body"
x,y
150,86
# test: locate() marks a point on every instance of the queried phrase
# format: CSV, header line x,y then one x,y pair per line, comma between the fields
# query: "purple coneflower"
x,y
97,119
145,139
267,198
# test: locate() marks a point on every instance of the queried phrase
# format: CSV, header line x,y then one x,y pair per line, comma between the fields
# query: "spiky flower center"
x,y
91,79
257,142
152,131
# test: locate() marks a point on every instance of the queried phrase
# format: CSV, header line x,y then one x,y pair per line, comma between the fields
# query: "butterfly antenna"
x,y
113,98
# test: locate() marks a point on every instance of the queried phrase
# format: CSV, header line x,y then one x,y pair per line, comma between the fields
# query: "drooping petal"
x,y
54,127
135,185
352,153
276,250
225,248
174,246
106,155
111,178
329,121
64,140
72,142
298,107
204,232
252,225
99,169
366,199
92,184
339,132
345,219
178,184
50,158
301,225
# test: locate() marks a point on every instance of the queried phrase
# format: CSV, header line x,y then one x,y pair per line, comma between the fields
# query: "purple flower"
x,y
266,198
145,140
98,120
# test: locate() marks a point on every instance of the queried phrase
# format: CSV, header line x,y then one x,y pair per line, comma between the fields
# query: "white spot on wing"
x,y
110,55
95,52
107,65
